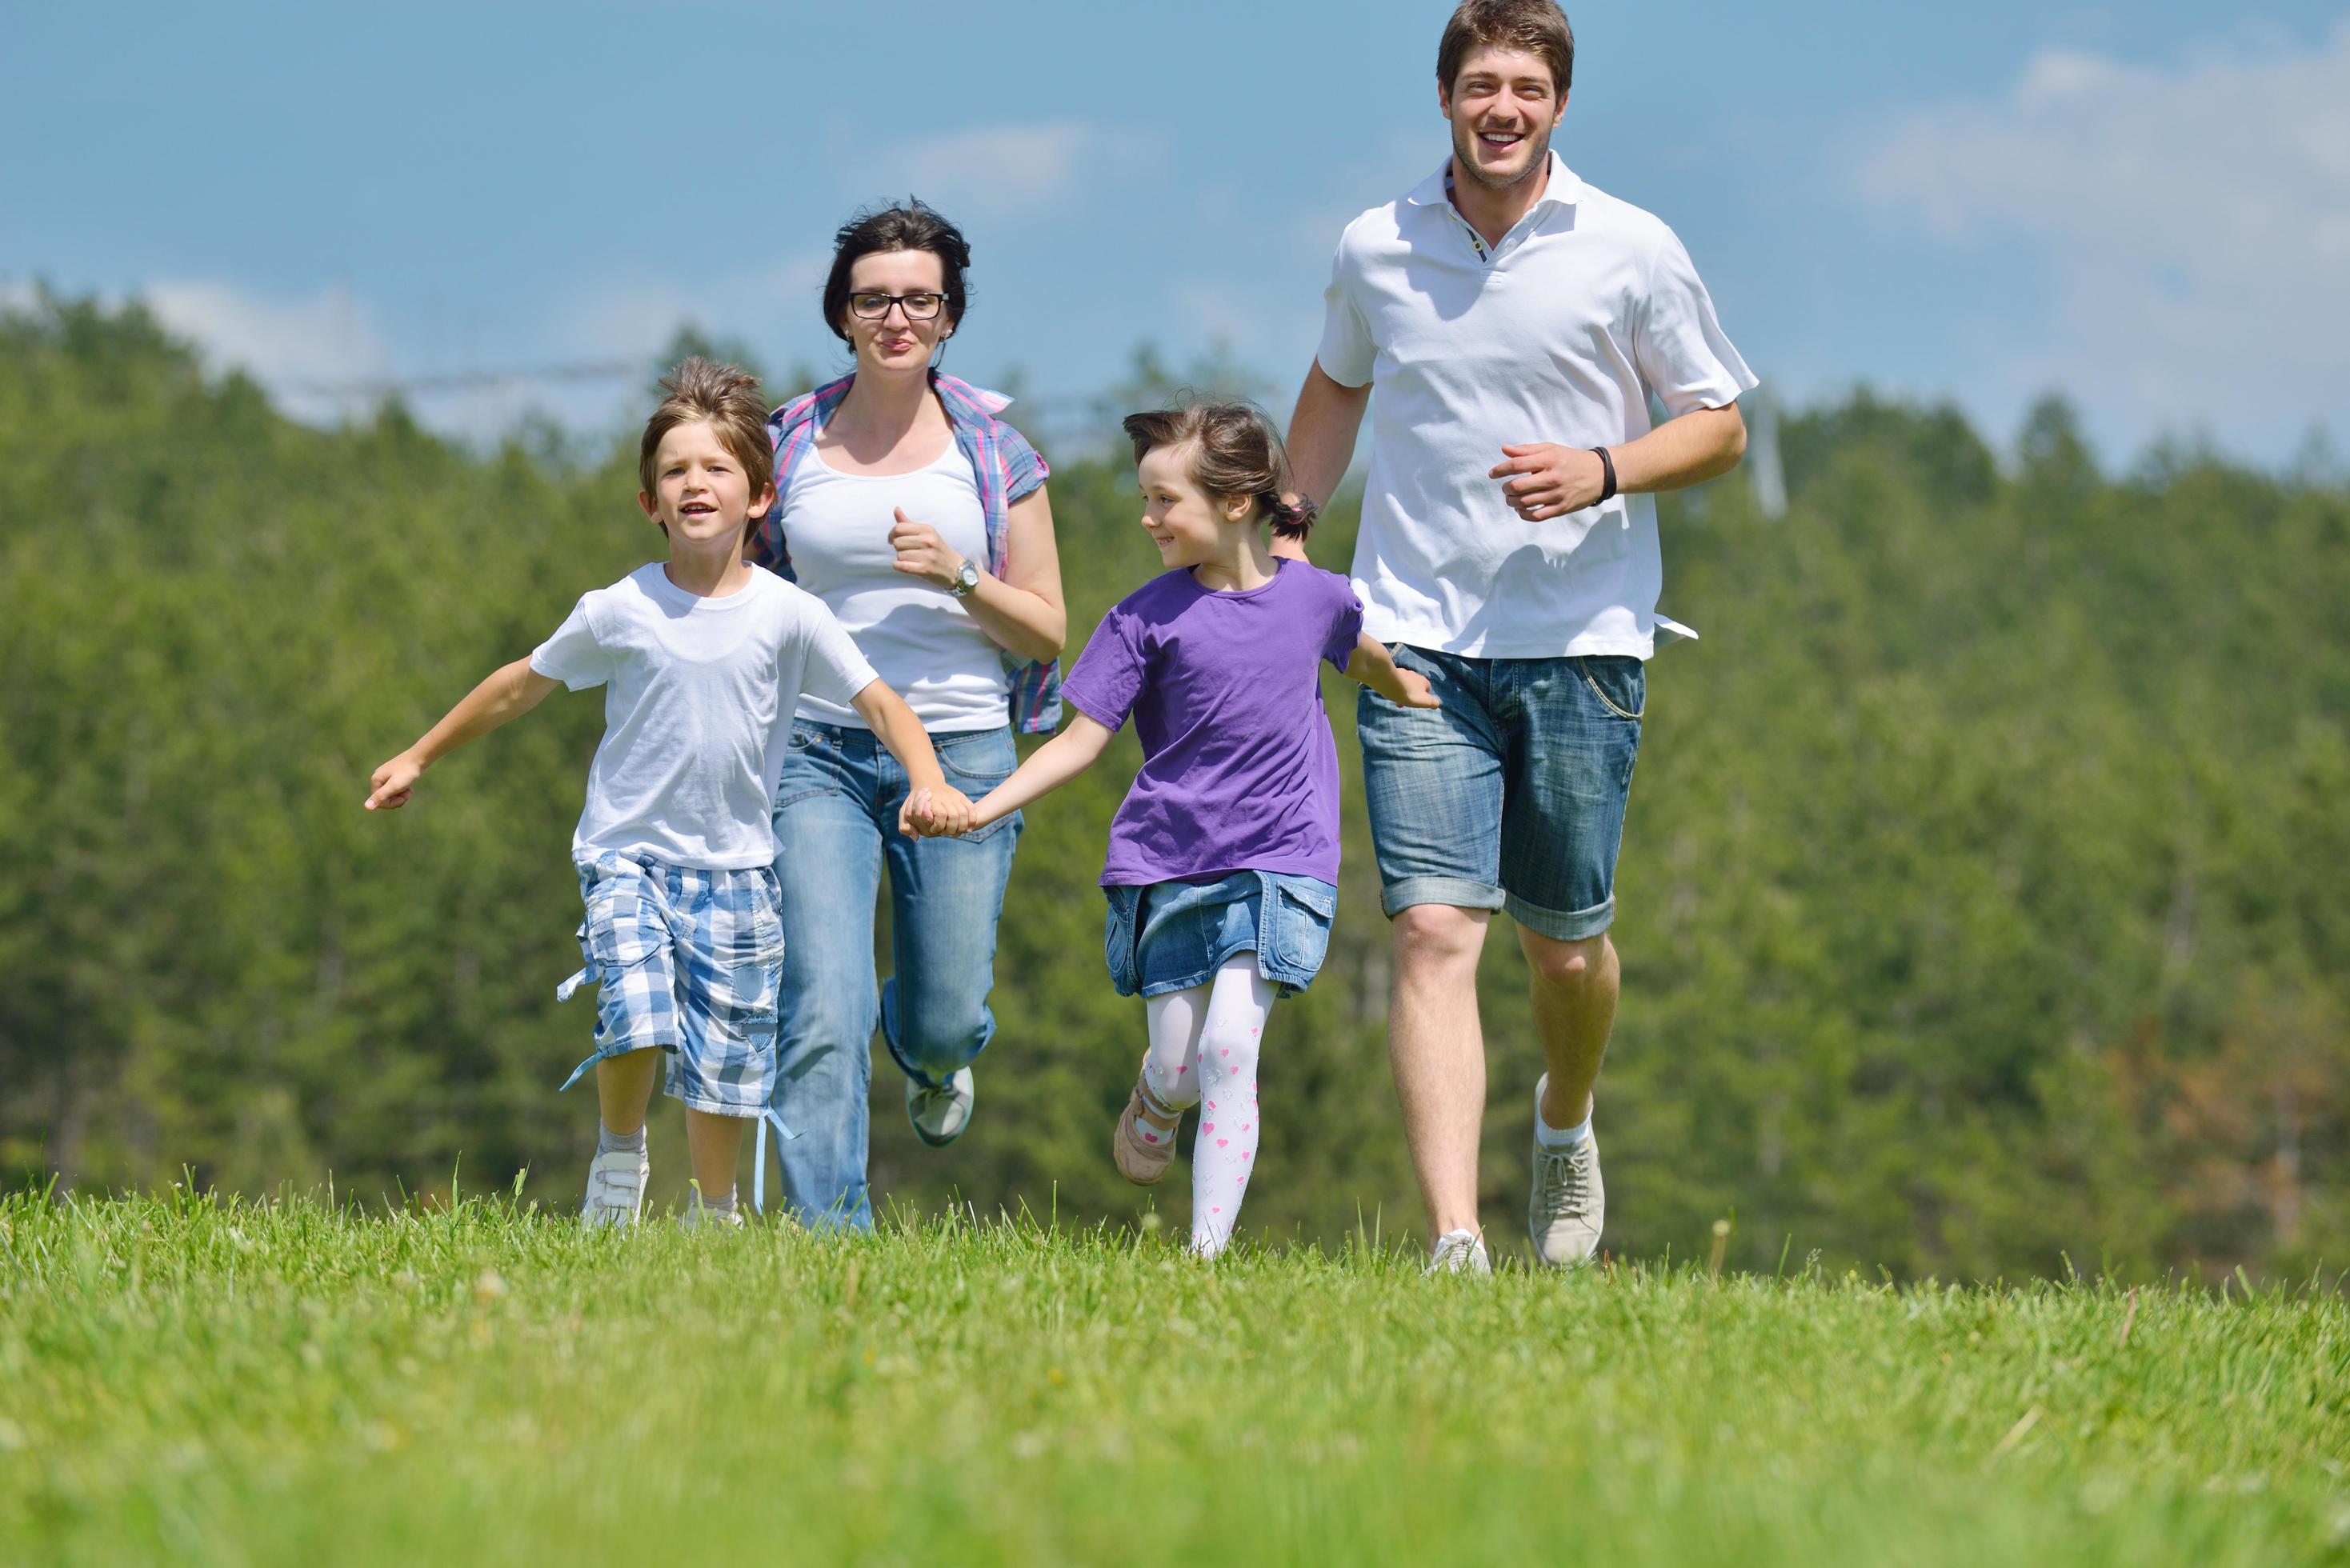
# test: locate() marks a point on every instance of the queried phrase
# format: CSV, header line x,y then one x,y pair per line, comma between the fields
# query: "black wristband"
x,y
1607,479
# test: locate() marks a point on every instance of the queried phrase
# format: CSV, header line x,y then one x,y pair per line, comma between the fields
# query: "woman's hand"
x,y
922,553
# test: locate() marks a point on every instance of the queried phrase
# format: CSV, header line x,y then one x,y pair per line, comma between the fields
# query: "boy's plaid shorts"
x,y
690,960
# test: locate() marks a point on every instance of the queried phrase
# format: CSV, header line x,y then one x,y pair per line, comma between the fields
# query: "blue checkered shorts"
x,y
690,960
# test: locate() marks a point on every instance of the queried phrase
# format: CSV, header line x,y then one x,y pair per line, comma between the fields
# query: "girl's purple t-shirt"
x,y
1239,770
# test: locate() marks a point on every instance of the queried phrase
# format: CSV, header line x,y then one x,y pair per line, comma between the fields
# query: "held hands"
x,y
394,783
922,554
940,812
1542,480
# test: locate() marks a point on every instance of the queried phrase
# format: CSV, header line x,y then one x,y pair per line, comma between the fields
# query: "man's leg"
x,y
1574,737
1575,985
1437,1047
1432,781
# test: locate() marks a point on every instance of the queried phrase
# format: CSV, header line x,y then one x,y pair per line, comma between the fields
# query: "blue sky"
x,y
2147,204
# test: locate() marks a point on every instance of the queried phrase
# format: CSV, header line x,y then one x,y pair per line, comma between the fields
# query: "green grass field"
x,y
188,1381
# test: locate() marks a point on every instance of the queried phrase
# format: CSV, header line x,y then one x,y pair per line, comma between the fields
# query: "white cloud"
x,y
1006,171
636,316
2195,223
305,351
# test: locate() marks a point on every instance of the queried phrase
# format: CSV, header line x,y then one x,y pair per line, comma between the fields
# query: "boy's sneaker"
x,y
941,1112
1458,1252
615,1188
699,1217
1142,1158
1569,1203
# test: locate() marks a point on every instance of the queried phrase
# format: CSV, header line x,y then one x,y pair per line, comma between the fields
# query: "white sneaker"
x,y
701,1217
1458,1252
941,1114
1569,1203
615,1188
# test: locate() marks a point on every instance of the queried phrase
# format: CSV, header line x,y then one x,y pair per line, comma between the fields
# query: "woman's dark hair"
x,y
1234,452
910,227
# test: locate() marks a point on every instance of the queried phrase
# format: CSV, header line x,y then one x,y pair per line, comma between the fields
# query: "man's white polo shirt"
x,y
1558,335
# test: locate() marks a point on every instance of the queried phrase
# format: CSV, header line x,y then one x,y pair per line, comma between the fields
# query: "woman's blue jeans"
x,y
836,824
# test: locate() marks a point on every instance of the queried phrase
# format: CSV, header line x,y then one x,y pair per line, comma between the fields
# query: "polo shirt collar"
x,y
1565,189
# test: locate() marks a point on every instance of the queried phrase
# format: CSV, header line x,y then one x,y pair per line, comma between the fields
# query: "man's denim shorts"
x,y
1510,796
1174,936
690,960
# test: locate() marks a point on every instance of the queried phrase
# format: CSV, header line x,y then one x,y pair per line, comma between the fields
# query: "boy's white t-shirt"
x,y
699,695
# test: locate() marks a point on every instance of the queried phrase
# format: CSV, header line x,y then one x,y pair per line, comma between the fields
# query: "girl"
x,y
1223,860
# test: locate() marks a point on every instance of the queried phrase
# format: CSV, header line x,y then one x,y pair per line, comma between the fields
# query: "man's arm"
x,y
508,693
1543,480
1322,433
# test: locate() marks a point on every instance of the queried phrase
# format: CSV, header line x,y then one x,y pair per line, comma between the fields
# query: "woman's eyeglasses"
x,y
872,306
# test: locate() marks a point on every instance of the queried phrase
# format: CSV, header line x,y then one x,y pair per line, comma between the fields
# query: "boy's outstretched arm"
x,y
1376,668
933,805
1048,767
509,693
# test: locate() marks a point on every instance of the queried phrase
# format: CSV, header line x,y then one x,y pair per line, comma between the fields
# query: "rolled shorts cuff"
x,y
1458,892
614,1048
1561,926
711,1108
751,1102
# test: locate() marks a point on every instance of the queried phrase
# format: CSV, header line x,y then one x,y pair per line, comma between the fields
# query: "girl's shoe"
x,y
1143,1152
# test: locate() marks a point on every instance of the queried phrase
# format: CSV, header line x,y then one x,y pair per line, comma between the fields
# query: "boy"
x,y
704,659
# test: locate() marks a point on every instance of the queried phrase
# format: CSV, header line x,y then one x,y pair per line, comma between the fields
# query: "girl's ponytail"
x,y
1236,452
1292,514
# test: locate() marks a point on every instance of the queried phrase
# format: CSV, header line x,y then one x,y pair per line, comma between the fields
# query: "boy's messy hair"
x,y
1234,452
728,397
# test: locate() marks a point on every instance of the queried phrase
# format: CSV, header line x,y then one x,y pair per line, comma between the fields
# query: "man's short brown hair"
x,y
1537,28
728,398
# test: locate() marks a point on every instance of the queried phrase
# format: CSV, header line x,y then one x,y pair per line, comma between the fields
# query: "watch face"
x,y
967,577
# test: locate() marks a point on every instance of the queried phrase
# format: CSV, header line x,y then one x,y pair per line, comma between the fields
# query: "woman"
x,y
921,518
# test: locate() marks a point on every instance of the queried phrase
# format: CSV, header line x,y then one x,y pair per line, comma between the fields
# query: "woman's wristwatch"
x,y
966,579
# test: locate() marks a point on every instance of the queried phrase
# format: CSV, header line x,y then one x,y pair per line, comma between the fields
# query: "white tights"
x,y
1204,1052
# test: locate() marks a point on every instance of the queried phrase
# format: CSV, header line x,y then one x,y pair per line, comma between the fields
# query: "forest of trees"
x,y
1983,899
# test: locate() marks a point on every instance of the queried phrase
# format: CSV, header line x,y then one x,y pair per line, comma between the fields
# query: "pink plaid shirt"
x,y
1007,468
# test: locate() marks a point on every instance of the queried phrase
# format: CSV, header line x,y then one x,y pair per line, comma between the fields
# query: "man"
x,y
1514,322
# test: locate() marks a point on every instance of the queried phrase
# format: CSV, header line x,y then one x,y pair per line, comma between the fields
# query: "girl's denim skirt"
x,y
1173,936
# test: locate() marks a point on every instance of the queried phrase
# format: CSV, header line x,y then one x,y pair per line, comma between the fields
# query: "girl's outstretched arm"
x,y
1376,668
510,692
1048,767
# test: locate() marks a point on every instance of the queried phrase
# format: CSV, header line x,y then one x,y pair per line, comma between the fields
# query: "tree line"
x,y
1982,897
